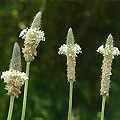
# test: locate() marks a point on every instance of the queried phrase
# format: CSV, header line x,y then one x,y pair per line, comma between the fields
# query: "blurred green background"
x,y
48,89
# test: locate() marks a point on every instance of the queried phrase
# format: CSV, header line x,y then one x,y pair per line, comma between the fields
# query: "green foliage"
x,y
48,90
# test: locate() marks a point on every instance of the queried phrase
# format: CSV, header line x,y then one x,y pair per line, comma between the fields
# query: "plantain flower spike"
x,y
70,50
108,53
32,36
14,78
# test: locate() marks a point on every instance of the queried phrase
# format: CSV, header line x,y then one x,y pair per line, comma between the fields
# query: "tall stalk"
x,y
11,107
103,107
70,100
25,92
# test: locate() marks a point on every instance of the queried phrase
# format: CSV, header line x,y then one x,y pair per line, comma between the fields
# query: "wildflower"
x,y
13,78
70,50
108,52
32,36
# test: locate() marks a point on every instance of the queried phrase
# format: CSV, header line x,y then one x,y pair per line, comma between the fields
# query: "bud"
x,y
15,62
109,40
37,20
70,37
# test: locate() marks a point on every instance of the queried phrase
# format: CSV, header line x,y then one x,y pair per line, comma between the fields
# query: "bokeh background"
x,y
92,22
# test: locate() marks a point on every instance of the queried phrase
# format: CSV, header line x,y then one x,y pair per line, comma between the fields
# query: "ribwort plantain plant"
x,y
32,36
108,53
70,50
14,78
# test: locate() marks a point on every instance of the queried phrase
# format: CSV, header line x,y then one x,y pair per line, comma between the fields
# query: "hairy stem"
x,y
70,100
25,92
11,107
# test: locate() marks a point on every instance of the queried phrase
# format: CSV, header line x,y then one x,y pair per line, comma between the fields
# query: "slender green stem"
x,y
103,107
70,100
11,107
25,92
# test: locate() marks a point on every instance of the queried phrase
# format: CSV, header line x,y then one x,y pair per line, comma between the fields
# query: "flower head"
x,y
32,36
70,50
14,78
108,52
